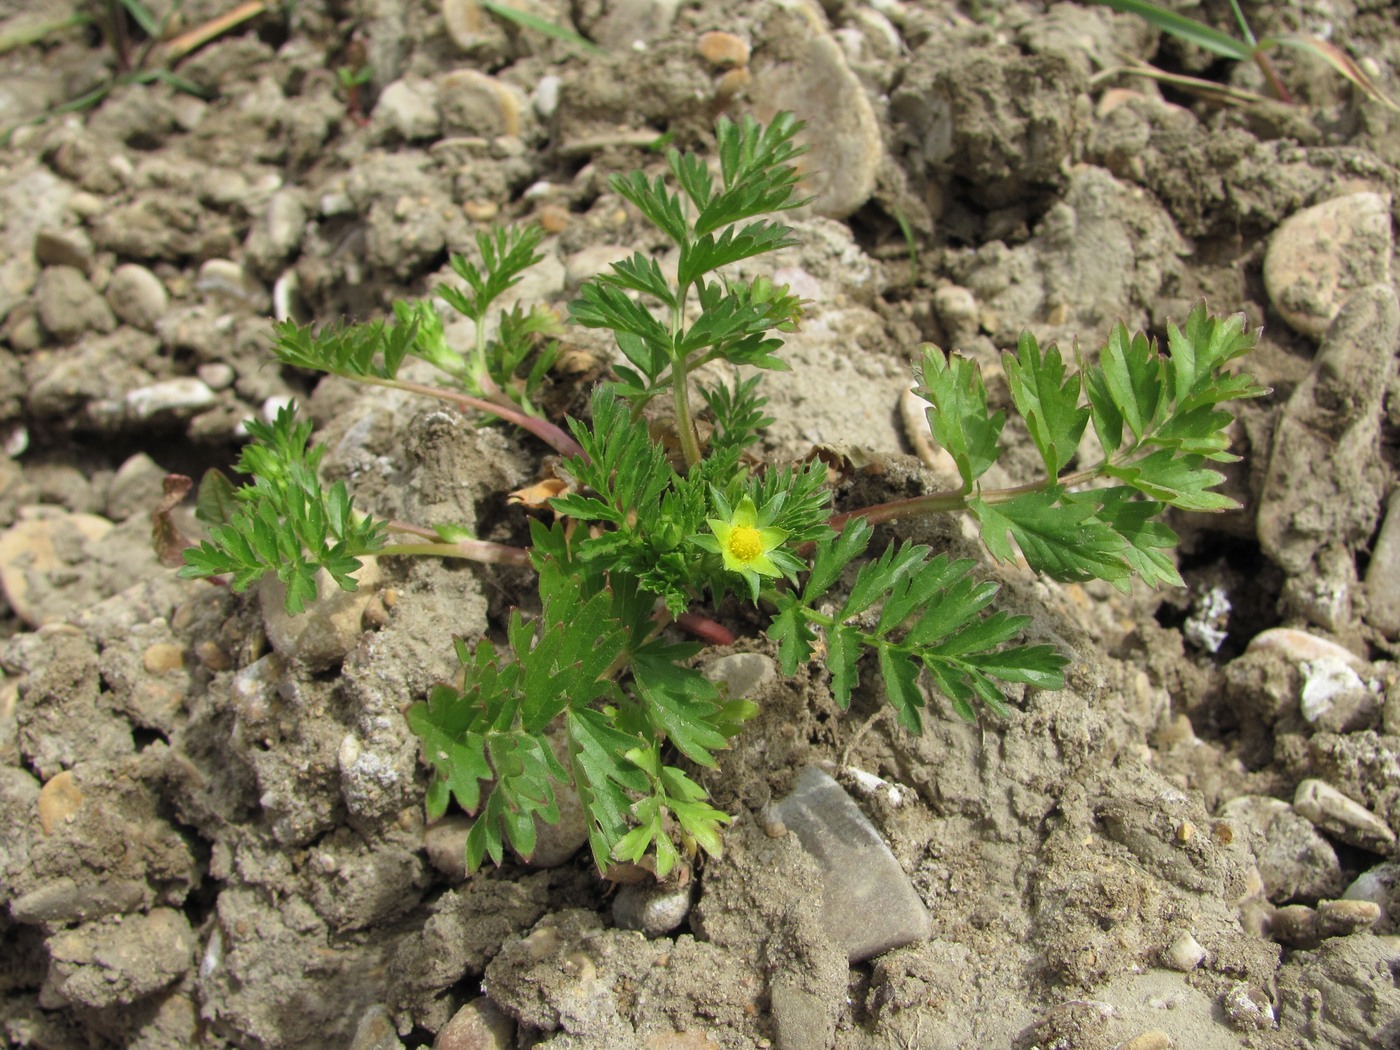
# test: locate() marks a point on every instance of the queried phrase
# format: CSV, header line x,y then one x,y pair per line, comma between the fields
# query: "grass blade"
x,y
1183,28
540,25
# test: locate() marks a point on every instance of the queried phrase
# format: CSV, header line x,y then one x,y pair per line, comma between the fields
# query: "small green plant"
x,y
641,542
1244,48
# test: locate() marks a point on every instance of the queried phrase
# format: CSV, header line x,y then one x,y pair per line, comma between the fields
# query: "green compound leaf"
x,y
1058,532
958,414
680,702
1149,541
1125,387
1173,479
1047,400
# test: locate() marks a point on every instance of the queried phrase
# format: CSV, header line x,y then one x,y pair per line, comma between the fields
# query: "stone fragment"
x,y
651,908
1185,953
1294,860
1300,646
376,1030
1324,482
472,103
66,247
227,280
1319,256
723,49
1248,1009
1156,1039
445,842
1383,574
1299,926
801,1019
1379,886
68,305
179,397
592,260
33,548
869,905
329,627
630,25
135,488
742,675
409,109
804,71
1347,820
137,297
479,1025
59,800
119,960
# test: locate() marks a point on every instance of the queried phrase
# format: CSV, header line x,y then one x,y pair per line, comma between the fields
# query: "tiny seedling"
x,y
1244,48
642,537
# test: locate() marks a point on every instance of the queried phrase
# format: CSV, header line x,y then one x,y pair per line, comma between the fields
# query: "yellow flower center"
x,y
745,543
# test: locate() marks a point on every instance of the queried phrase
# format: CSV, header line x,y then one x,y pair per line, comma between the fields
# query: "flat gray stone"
x,y
869,905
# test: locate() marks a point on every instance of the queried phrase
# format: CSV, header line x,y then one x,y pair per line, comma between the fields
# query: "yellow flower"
x,y
745,546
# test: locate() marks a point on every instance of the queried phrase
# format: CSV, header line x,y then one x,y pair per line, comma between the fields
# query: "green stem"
x,y
680,388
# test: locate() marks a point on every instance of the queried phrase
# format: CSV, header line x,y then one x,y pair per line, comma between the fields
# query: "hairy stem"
x,y
472,550
554,436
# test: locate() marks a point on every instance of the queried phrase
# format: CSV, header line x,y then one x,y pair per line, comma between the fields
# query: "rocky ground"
x,y
211,824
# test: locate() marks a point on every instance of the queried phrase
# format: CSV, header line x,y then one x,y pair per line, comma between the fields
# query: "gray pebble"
x,y
68,305
1318,256
409,109
869,905
1247,1009
64,248
1381,886
653,909
137,296
1345,819
178,396
1294,860
1383,574
743,675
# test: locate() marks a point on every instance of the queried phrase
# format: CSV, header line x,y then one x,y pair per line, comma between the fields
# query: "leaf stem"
x,y
472,550
680,390
556,437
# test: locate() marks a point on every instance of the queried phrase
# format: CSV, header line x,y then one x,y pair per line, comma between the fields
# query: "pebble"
x,y
1294,860
1185,953
31,548
119,960
472,103
1300,646
653,909
445,842
68,305
1341,817
1380,886
1247,1009
1156,1039
64,247
283,222
631,25
136,296
546,98
1299,926
216,375
1383,574
591,261
723,49
479,1025
814,82
869,905
182,396
553,218
376,1030
225,278
1318,256
161,657
325,632
59,799
409,108
743,675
